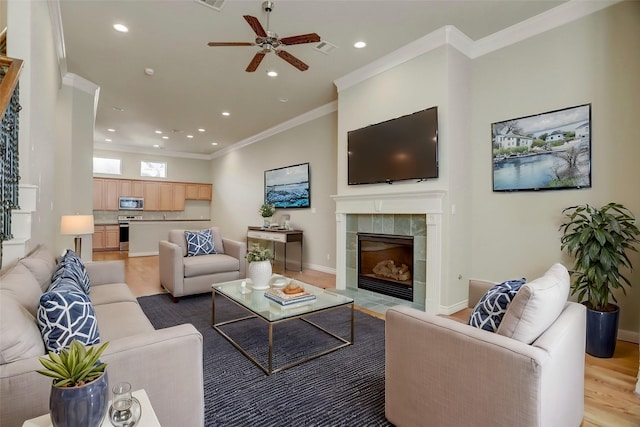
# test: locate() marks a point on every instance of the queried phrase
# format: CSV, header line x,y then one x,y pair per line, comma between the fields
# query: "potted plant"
x,y
266,211
80,389
598,239
259,266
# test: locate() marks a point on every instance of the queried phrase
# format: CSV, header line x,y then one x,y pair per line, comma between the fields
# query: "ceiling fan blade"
x,y
255,25
303,38
231,44
257,59
292,60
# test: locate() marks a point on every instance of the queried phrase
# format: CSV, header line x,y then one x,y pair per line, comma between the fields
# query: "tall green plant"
x,y
598,239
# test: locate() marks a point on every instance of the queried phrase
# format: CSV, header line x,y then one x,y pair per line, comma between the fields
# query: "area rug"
x,y
343,388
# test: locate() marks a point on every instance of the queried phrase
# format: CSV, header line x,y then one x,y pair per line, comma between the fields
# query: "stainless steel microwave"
x,y
131,203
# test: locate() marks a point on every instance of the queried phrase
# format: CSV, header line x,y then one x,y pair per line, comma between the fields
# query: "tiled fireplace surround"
x,y
417,214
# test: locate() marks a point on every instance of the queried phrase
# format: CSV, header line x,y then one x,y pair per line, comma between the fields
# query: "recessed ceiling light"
x,y
283,99
165,137
201,130
107,139
155,146
149,71
189,136
121,28
117,108
272,73
214,143
158,132
359,45
226,113
111,130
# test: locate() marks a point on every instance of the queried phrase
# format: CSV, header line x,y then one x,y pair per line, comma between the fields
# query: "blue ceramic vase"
x,y
84,406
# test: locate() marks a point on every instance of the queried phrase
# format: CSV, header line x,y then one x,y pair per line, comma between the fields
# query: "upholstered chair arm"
x,y
477,288
171,267
237,250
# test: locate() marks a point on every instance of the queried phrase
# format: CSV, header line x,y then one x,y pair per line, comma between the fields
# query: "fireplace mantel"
x,y
429,203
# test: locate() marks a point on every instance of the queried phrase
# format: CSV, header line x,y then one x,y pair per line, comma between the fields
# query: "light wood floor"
x,y
609,383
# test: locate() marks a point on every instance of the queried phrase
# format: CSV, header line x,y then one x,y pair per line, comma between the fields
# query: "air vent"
x,y
325,47
214,4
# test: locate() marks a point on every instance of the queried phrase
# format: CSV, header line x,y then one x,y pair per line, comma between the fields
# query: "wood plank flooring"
x,y
610,400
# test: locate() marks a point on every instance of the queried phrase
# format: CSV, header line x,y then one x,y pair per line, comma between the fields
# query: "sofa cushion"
x,y
19,334
121,320
71,266
114,292
19,283
66,315
536,306
489,311
210,264
41,262
199,242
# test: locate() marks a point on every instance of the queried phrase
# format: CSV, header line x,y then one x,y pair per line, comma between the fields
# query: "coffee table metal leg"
x,y
270,348
352,321
213,308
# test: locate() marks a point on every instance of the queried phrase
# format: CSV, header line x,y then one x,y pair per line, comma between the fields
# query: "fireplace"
x,y
385,264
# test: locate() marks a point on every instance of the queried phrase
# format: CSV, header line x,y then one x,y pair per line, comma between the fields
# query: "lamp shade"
x,y
76,224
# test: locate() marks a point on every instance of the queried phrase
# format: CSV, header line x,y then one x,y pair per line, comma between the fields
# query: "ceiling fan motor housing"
x,y
267,6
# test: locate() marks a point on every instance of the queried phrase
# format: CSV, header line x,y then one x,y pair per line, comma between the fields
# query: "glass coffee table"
x,y
272,314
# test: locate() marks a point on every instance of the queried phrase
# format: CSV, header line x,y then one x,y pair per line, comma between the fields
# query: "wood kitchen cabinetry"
x,y
106,237
158,195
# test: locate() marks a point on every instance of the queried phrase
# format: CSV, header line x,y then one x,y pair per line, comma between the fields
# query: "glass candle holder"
x,y
125,409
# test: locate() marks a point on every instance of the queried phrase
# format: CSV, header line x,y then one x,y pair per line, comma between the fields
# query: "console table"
x,y
286,246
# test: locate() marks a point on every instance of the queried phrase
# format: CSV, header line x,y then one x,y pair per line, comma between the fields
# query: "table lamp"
x,y
76,225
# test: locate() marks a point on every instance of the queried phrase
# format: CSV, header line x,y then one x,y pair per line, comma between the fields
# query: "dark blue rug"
x,y
343,388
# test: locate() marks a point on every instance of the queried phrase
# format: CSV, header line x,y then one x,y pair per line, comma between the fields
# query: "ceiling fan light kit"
x,y
268,41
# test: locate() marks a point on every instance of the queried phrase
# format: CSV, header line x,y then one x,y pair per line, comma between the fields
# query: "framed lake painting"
x,y
288,187
547,151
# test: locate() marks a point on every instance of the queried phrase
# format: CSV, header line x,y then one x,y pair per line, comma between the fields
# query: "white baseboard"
x,y
137,254
321,268
630,336
453,308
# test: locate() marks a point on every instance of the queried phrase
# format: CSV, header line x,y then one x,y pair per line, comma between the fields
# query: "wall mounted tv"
x,y
395,150
288,187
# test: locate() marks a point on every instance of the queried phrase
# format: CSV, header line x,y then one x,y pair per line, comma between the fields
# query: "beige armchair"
x,y
442,372
186,275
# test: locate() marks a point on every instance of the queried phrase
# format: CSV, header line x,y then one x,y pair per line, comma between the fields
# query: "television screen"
x,y
288,187
398,149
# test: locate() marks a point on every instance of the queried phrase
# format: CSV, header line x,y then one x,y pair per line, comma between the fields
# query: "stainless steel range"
x,y
123,221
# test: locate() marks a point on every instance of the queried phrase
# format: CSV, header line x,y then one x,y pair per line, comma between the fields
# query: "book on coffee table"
x,y
283,298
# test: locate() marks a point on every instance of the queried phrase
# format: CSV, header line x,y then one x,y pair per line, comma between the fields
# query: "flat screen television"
x,y
395,150
288,187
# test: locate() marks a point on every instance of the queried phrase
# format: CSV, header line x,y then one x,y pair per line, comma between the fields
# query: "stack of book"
x,y
278,296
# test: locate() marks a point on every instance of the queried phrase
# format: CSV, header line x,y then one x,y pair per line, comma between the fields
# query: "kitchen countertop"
x,y
149,220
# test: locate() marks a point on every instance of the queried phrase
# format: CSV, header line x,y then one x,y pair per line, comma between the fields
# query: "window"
x,y
107,166
153,169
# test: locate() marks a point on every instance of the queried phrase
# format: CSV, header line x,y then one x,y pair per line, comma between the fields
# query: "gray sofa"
x,y
187,275
442,372
167,363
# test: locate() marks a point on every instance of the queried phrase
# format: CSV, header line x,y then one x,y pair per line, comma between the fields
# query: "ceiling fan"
x,y
270,42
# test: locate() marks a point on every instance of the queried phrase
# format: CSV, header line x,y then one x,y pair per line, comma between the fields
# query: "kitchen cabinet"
x,y
106,237
196,191
179,196
105,194
165,196
151,196
131,188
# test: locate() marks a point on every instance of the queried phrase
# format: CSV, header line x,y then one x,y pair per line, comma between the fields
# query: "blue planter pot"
x,y
602,332
84,406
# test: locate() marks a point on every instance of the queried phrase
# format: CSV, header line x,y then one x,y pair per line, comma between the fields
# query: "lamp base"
x,y
78,245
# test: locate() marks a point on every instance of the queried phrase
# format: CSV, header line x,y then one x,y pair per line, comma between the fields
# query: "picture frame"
x,y
288,187
546,151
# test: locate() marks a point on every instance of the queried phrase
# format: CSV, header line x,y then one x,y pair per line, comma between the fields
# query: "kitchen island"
x,y
144,235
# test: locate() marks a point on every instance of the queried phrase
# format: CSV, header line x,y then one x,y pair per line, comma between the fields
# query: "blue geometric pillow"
x,y
489,311
65,315
199,242
72,267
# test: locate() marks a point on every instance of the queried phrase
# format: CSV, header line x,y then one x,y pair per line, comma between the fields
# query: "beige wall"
x,y
178,168
238,186
593,60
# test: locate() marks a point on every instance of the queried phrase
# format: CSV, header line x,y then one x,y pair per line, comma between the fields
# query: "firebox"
x,y
385,264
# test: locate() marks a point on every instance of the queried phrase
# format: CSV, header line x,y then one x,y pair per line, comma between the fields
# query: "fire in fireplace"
x,y
385,264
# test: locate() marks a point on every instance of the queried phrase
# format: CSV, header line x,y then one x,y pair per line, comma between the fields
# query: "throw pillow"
x,y
489,311
19,334
537,305
199,242
72,267
66,315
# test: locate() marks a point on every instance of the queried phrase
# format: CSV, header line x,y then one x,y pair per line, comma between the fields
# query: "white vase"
x,y
266,223
260,274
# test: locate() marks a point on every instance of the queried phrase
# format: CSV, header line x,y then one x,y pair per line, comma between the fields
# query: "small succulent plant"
x,y
75,366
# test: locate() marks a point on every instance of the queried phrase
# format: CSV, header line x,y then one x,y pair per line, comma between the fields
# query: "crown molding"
x,y
451,36
289,124
149,151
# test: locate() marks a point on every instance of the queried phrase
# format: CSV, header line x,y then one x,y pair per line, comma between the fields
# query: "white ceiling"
x,y
194,83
